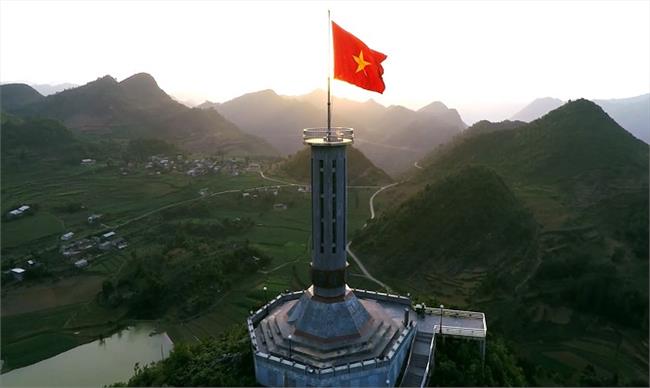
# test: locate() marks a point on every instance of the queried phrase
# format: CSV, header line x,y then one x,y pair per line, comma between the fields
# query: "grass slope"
x,y
467,220
584,179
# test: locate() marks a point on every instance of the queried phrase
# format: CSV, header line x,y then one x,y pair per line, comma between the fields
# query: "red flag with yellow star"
x,y
356,63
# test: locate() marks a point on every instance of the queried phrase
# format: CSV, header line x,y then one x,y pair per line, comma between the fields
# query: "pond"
x,y
94,364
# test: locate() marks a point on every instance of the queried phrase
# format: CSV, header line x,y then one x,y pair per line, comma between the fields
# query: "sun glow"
x,y
465,53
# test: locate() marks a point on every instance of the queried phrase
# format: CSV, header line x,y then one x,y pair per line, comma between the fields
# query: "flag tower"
x,y
330,334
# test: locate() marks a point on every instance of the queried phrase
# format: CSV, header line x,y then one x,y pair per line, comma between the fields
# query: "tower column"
x,y
329,209
329,222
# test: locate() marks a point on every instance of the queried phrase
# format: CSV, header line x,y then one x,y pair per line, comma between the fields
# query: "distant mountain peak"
x,y
373,103
434,107
107,79
537,108
580,106
547,99
144,87
140,80
17,95
269,92
398,108
264,94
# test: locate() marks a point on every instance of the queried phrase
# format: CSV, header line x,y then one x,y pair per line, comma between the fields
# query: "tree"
x,y
224,361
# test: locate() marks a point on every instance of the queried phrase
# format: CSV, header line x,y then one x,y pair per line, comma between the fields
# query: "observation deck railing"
x,y
323,136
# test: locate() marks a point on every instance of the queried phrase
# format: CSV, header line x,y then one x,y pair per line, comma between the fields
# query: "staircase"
x,y
420,360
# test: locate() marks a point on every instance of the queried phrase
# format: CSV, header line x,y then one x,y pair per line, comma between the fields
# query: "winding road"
x,y
354,257
364,270
372,198
371,204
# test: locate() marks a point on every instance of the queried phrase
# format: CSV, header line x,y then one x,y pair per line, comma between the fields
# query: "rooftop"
x,y
291,327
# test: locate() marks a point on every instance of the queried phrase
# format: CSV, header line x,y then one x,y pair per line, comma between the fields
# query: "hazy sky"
x,y
466,54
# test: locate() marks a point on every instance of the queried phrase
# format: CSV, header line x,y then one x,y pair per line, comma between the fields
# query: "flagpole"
x,y
329,59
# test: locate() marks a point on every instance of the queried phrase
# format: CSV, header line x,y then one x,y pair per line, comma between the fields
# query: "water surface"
x,y
94,364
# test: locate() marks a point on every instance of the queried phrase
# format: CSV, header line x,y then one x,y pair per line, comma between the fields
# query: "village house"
x,y
15,213
67,236
93,218
279,206
120,243
18,274
88,162
105,246
81,263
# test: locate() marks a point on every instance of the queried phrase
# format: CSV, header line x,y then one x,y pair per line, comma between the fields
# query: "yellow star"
x,y
361,63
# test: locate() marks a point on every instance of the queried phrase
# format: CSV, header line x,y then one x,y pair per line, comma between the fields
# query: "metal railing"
x,y
454,313
325,136
463,332
408,361
427,370
372,363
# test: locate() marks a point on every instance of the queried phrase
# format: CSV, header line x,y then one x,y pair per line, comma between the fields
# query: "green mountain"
x,y
137,108
25,140
631,113
361,171
466,221
485,126
558,260
14,96
574,141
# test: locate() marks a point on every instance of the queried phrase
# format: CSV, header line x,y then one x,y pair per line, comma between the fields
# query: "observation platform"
x,y
285,357
335,136
432,324
380,352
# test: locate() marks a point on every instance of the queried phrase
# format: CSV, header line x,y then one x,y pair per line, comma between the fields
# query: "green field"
x,y
30,228
132,205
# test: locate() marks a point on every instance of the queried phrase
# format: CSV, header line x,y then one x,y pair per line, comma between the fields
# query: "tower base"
x,y
358,340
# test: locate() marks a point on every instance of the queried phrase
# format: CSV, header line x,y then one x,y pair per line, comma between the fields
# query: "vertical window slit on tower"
x,y
322,244
311,180
334,212
322,228
320,212
345,198
320,177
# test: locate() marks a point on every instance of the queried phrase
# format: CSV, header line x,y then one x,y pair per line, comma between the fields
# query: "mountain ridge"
x,y
580,183
632,113
137,107
379,130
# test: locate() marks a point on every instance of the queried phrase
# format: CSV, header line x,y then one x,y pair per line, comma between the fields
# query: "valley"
x,y
64,308
542,225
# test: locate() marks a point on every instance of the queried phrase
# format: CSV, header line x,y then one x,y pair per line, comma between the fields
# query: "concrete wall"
x,y
273,371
